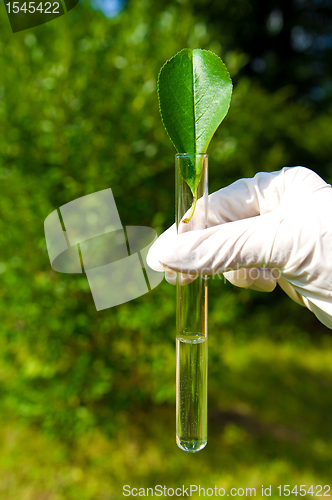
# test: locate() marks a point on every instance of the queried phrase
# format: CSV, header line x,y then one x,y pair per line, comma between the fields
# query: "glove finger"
x,y
246,198
264,279
260,279
291,292
152,259
246,243
239,278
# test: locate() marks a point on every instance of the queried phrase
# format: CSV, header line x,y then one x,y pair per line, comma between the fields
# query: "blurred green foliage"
x,y
79,113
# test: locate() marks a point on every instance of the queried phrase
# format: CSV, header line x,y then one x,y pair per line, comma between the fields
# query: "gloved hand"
x,y
275,227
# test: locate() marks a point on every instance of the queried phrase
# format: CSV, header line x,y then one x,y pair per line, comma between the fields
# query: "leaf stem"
x,y
192,210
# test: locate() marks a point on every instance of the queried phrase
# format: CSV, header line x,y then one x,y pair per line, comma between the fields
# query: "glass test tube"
x,y
191,320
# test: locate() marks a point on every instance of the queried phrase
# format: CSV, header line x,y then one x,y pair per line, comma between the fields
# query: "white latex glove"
x,y
275,227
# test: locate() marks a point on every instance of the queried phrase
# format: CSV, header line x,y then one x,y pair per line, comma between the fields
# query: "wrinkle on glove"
x,y
275,227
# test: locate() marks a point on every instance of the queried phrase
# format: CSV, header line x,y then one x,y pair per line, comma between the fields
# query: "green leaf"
x,y
194,89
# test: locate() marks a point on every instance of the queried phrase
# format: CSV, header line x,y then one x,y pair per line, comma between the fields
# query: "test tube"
x,y
191,318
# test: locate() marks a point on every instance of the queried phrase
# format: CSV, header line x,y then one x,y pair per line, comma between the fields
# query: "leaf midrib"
x,y
193,94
